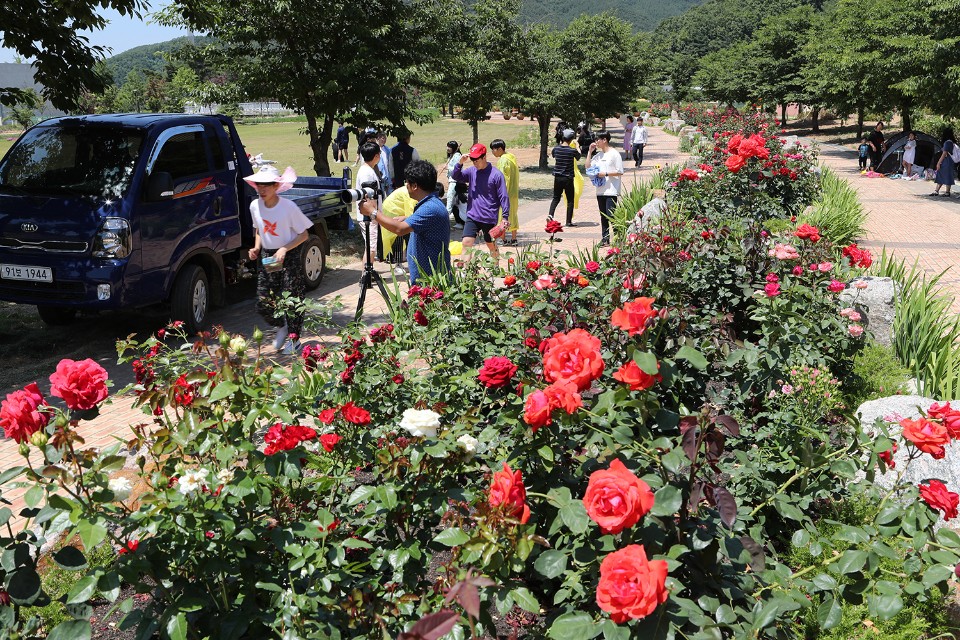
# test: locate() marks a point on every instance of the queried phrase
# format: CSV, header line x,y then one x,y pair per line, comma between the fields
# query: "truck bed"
x,y
319,197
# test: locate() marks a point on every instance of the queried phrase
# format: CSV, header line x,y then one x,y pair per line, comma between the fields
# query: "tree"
x,y
727,75
607,83
47,33
481,70
328,59
777,60
24,111
544,87
131,95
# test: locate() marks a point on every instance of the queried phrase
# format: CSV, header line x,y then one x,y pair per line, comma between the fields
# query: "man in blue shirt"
x,y
429,228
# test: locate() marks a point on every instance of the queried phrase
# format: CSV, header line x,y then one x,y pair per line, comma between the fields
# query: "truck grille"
x,y
53,246
43,291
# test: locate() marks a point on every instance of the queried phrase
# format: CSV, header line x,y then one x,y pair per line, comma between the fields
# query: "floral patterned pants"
x,y
271,287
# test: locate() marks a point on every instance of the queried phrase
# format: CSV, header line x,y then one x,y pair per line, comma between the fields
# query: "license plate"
x,y
23,272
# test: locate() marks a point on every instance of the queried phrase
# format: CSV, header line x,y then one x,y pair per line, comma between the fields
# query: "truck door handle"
x,y
217,205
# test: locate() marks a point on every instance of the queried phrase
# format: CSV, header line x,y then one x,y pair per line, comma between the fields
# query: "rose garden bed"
x,y
647,441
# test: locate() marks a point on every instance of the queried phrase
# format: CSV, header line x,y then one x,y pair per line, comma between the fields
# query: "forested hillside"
x,y
644,15
148,57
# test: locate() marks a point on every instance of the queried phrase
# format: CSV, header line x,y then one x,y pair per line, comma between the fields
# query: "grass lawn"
x,y
288,144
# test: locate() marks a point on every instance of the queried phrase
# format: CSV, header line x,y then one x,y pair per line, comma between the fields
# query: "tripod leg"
x,y
364,285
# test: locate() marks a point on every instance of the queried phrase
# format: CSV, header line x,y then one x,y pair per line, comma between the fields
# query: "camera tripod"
x,y
369,276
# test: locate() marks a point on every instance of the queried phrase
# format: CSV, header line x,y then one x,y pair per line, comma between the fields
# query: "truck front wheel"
x,y
314,261
56,316
190,301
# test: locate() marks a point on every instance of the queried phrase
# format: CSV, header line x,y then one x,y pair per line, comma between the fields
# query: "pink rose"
x,y
82,385
772,289
836,286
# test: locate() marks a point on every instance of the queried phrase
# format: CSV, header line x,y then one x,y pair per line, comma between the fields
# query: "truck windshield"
x,y
94,161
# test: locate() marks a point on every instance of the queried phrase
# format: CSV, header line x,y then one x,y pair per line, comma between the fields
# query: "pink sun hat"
x,y
268,173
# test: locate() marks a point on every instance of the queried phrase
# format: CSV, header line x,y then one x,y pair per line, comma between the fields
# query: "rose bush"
x,y
634,442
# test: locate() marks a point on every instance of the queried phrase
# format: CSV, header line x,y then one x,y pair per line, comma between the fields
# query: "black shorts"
x,y
471,228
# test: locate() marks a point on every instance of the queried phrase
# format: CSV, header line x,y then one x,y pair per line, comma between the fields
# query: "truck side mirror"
x,y
159,186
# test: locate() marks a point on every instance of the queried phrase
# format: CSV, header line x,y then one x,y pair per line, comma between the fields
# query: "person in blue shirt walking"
x,y
428,251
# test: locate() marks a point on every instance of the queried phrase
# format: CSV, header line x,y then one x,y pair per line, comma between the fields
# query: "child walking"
x,y
281,229
863,152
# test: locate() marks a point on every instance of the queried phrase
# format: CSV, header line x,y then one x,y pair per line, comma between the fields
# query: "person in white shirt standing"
x,y
610,168
639,141
281,229
367,175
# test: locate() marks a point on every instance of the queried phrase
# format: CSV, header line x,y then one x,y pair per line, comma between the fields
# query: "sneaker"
x,y
399,271
281,337
458,226
291,347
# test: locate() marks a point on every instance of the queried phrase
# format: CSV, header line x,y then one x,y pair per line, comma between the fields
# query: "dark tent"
x,y
928,151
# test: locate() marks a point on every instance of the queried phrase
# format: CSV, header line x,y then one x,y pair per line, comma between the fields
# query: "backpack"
x,y
955,154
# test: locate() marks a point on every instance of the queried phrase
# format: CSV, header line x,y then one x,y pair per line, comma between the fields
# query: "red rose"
x,y
631,587
398,379
553,226
281,437
509,281
689,174
858,257
327,416
616,499
507,491
887,456
536,410
420,318
21,415
533,265
638,379
735,163
926,436
329,441
353,413
311,356
130,547
182,392
939,498
592,267
807,232
733,144
82,385
496,372
573,357
563,395
634,316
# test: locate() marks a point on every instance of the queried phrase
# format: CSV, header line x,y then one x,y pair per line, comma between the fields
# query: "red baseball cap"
x,y
477,151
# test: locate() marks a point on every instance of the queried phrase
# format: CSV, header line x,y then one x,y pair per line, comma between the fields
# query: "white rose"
x,y
192,481
421,422
120,487
238,344
469,444
224,476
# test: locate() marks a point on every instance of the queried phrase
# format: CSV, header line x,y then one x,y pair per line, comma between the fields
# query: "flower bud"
x,y
24,449
224,338
257,335
39,439
238,344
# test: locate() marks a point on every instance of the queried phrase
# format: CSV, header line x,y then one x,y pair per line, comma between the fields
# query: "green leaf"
x,y
546,453
829,613
551,563
70,558
83,590
800,538
361,494
574,515
647,362
71,630
526,600
91,533
24,586
177,627
885,607
666,501
34,495
692,356
824,582
223,390
574,626
452,537
851,561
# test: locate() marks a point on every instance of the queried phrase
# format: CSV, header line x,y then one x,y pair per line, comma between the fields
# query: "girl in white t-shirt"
x,y
281,228
909,154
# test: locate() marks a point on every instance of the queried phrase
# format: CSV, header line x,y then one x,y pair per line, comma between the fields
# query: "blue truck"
x,y
124,211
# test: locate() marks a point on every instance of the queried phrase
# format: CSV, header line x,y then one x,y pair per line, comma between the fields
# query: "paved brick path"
x,y
905,219
115,418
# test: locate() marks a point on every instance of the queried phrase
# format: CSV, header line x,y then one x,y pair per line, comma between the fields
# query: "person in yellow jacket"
x,y
577,183
507,163
398,204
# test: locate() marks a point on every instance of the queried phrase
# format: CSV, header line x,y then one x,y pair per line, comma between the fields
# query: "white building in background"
x,y
262,109
20,76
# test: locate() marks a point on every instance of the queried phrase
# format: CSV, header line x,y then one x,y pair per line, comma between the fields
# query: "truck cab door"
x,y
192,216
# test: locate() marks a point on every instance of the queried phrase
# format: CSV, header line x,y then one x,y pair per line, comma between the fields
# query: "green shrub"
x,y
876,373
838,212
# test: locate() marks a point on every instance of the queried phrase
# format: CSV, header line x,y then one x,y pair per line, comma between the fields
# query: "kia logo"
x,y
29,227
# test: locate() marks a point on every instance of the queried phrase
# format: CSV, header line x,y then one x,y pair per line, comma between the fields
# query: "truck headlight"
x,y
113,239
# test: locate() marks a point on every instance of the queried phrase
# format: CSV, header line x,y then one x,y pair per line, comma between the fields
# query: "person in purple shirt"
x,y
486,196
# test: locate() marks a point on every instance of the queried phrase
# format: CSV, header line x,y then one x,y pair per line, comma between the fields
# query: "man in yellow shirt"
x,y
507,164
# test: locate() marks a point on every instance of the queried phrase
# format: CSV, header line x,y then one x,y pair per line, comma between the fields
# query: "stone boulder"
x,y
648,215
790,143
875,304
653,121
673,125
674,115
893,409
687,130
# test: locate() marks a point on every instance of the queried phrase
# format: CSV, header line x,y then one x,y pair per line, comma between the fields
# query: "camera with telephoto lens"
x,y
367,191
